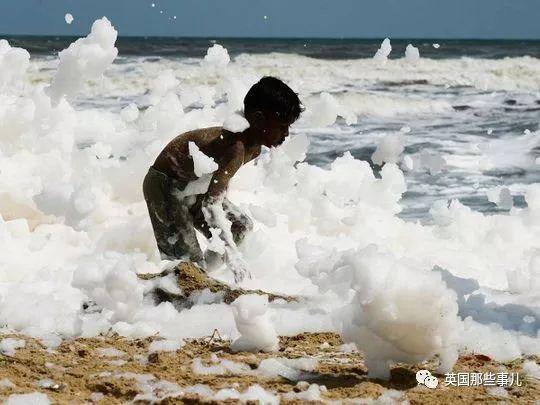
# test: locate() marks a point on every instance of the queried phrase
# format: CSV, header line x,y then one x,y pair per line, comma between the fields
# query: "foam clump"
x,y
412,54
217,57
202,164
313,393
390,318
68,18
130,113
6,383
160,86
389,149
257,332
501,196
429,161
255,393
384,50
291,369
165,345
235,123
112,284
532,369
220,367
9,346
14,63
500,392
34,398
85,59
388,330
325,111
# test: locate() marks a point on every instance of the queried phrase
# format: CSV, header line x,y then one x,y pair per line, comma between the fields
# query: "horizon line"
x,y
211,38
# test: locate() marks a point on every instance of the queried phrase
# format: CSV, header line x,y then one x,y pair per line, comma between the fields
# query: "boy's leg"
x,y
172,223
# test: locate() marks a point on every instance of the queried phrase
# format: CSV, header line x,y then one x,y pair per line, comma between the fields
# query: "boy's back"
x,y
218,143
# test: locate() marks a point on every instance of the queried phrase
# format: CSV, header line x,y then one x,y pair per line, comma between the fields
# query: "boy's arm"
x,y
213,209
228,165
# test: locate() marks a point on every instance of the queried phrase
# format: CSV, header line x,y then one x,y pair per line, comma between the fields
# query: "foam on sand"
x,y
256,330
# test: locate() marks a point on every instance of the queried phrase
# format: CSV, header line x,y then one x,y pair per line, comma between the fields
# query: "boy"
x,y
270,107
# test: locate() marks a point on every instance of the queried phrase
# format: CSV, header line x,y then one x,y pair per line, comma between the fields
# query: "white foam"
x,y
217,57
35,398
382,53
220,367
256,330
202,164
130,113
86,58
165,345
6,383
531,368
77,229
9,346
412,54
13,64
235,123
389,149
313,393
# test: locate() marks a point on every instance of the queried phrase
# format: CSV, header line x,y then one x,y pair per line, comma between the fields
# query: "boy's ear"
x,y
258,119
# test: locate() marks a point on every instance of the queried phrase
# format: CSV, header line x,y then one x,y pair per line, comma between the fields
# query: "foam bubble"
x,y
256,330
382,53
217,57
86,58
412,54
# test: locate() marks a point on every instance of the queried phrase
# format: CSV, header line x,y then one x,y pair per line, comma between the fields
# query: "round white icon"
x,y
424,377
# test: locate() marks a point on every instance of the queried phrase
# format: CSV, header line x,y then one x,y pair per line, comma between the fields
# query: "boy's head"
x,y
270,107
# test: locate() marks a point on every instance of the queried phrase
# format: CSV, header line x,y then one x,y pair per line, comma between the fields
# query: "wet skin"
x,y
230,150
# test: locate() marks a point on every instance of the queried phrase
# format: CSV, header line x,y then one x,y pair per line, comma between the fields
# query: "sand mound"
x,y
191,279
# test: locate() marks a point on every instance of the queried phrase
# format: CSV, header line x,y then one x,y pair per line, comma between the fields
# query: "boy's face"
x,y
274,131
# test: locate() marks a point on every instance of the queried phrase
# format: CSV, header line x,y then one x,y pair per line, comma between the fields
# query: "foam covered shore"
x,y
75,232
310,367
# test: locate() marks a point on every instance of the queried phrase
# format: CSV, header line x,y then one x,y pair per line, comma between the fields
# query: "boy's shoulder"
x,y
202,132
201,137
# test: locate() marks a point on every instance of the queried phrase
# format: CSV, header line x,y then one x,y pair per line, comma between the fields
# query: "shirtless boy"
x,y
270,107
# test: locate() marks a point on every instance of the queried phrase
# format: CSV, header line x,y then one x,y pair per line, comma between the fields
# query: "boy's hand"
x,y
237,265
216,217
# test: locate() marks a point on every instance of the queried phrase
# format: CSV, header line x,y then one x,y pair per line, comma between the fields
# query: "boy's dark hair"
x,y
272,94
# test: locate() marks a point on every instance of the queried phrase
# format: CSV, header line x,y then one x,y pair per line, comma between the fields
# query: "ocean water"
x,y
474,103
